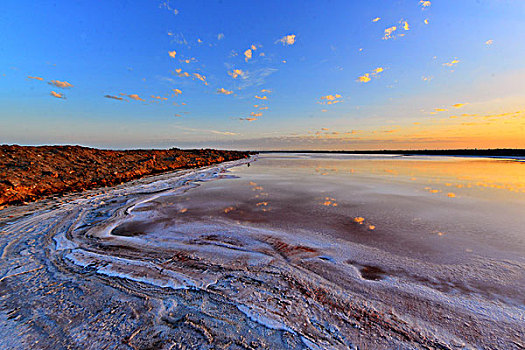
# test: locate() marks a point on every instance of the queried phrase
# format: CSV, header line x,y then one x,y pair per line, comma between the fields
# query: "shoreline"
x,y
31,173
518,154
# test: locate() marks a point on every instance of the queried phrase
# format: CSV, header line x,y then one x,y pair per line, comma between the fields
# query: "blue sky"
x,y
310,55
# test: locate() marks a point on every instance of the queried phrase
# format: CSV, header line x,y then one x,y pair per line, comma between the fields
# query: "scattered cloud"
x,y
220,36
57,95
172,54
425,4
159,97
376,19
261,97
364,78
247,55
177,115
287,40
224,91
451,63
425,21
427,78
330,99
248,119
166,5
135,97
177,91
266,91
113,97
406,26
253,114
223,132
236,73
60,84
201,78
181,74
217,132
189,60
440,109
36,78
458,105
489,42
388,32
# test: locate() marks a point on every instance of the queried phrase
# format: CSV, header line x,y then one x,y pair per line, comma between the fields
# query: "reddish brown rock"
x,y
29,173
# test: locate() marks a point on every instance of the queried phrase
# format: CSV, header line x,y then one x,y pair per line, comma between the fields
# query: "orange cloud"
x,y
177,91
376,19
224,91
364,78
267,91
330,97
236,73
388,32
57,95
261,98
247,55
287,40
253,114
451,63
200,77
135,97
425,3
60,84
172,53
36,78
159,97
248,119
458,105
182,74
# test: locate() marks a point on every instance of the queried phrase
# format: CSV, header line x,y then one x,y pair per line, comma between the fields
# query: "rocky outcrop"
x,y
29,173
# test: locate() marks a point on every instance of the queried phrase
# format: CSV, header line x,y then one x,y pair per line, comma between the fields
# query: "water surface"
x,y
293,251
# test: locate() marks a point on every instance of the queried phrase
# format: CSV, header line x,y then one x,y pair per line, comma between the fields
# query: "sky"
x,y
263,75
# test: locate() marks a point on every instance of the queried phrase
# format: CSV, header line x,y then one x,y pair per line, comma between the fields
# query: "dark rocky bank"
x,y
29,173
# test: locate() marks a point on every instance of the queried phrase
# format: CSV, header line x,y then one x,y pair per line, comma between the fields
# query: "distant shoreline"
x,y
503,152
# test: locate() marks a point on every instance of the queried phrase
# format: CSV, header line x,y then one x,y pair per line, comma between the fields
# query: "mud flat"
x,y
293,252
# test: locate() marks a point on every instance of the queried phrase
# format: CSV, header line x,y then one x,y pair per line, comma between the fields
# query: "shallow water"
x,y
293,251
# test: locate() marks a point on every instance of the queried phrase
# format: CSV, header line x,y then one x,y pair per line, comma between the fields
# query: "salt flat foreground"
x,y
295,251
